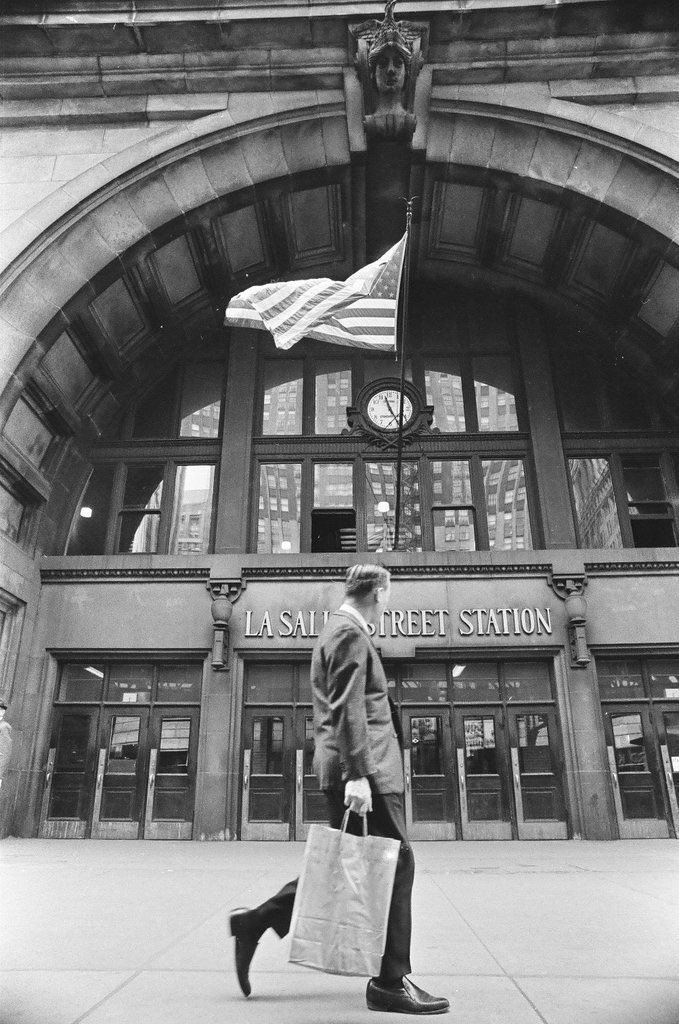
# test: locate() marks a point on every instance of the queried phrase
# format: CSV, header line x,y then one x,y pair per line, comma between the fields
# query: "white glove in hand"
x,y
357,796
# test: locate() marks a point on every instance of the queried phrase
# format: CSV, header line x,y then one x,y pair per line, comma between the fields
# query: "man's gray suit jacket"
x,y
353,728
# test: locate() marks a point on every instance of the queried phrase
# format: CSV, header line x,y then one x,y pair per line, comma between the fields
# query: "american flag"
x,y
360,311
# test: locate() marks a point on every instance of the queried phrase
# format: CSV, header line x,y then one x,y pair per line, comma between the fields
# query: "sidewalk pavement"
x,y
512,933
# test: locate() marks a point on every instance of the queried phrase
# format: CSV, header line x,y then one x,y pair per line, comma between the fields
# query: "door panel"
x,y
268,774
310,805
667,722
171,774
536,774
634,772
69,783
483,766
121,774
429,774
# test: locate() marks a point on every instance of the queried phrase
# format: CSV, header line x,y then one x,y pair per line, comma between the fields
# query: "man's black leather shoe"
x,y
246,943
407,998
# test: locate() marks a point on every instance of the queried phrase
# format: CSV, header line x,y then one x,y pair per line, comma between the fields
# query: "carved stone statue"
x,y
388,61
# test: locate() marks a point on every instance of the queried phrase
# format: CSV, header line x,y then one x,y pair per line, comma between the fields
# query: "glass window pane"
x,y
380,369
280,486
309,746
143,487
269,684
72,742
426,748
173,752
424,683
443,385
380,481
155,412
628,738
643,482
304,695
201,399
576,382
267,746
11,514
454,529
333,485
595,508
504,483
179,683
81,682
123,748
664,678
535,755
628,406
130,683
527,680
620,680
495,397
477,681
333,395
28,433
88,534
192,509
139,533
479,746
283,392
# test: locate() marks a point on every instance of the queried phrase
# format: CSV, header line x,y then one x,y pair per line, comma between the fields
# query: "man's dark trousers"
x,y
387,818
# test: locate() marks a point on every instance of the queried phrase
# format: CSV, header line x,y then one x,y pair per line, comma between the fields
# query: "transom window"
x,y
129,682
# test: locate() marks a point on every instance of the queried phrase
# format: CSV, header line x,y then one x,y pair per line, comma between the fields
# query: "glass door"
x,y
310,805
634,769
483,774
536,773
70,775
171,781
268,774
667,724
121,773
429,774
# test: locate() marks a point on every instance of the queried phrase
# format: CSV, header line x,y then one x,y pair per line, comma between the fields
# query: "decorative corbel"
x,y
570,589
389,56
224,593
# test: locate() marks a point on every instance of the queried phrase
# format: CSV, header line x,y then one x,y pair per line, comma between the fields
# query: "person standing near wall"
x,y
359,765
5,741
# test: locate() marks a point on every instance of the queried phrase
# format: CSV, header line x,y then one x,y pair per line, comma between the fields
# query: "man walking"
x,y
359,765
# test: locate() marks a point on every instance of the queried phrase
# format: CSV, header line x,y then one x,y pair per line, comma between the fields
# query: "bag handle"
x,y
363,817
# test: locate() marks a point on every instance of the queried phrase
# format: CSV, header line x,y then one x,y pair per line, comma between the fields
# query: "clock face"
x,y
385,406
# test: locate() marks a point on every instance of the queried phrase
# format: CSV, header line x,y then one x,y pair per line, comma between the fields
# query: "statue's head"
x,y
389,56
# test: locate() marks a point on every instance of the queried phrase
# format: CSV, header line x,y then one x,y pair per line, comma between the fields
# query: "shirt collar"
x,y
350,610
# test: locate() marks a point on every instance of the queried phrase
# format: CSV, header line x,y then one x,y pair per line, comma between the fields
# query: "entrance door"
x,y
483,776
429,774
637,788
536,773
667,725
310,804
69,780
268,774
171,784
121,774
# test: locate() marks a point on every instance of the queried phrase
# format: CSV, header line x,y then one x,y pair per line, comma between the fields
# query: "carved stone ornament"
x,y
225,593
388,60
570,589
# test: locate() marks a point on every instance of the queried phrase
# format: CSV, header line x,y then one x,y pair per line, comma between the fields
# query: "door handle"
x,y
245,781
408,781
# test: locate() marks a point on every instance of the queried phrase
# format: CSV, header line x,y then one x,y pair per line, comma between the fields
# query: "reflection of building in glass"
x,y
381,487
333,395
444,392
595,506
279,514
505,487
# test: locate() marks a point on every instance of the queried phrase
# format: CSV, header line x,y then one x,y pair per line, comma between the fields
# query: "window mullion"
x,y
479,499
166,507
118,490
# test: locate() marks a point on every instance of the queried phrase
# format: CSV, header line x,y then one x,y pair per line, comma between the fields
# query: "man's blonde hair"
x,y
361,579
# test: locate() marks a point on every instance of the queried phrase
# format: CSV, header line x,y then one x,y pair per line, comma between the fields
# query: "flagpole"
x,y
402,334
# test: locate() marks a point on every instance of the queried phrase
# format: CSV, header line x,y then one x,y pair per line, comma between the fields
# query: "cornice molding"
x,y
130,575
409,572
637,568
